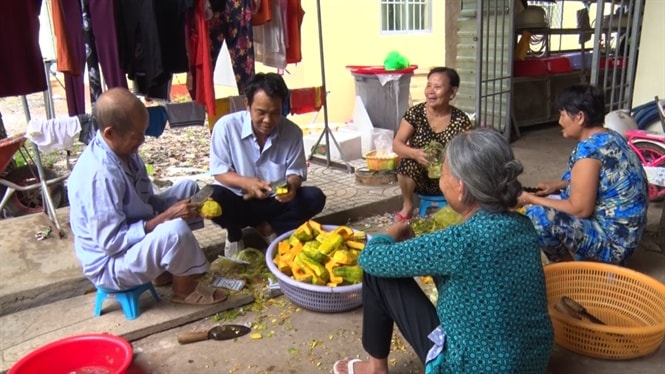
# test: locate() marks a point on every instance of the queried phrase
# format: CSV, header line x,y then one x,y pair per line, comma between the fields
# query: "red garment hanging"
x,y
262,14
294,17
67,56
305,100
21,64
200,63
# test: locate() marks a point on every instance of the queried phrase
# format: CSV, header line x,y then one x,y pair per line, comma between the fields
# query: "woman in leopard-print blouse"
x,y
435,119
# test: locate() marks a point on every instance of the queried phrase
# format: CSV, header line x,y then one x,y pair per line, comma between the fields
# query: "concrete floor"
x,y
33,274
308,342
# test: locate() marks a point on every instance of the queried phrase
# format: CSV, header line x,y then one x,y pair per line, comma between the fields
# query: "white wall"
x,y
650,77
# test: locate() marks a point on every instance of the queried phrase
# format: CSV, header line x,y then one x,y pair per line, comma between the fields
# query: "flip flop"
x,y
349,366
398,217
202,295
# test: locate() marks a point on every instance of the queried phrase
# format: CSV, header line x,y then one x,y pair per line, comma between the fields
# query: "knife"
x,y
202,196
273,187
578,308
223,332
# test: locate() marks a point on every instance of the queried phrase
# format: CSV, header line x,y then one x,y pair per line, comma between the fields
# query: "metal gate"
x,y
484,61
615,52
485,48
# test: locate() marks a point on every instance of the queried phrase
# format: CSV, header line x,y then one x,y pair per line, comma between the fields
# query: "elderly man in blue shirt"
x,y
250,152
124,234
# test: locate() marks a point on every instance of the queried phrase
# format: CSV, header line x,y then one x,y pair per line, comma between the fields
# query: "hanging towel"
x,y
88,128
156,121
305,100
186,114
53,134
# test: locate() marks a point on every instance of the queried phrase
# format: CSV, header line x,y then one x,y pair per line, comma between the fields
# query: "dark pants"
x,y
388,301
102,35
238,213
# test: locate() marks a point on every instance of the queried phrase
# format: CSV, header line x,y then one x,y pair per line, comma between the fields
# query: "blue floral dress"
x,y
613,230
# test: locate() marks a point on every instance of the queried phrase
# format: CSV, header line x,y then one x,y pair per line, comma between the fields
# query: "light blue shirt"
x,y
109,203
234,147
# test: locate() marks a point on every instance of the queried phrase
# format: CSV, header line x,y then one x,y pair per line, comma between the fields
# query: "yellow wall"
x,y
650,78
352,36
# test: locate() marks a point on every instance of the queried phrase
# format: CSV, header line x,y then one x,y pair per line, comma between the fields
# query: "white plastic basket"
x,y
312,297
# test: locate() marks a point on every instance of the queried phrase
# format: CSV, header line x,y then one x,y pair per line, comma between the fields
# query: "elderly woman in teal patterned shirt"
x,y
601,215
491,313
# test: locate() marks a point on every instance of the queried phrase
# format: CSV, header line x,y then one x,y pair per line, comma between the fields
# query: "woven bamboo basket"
x,y
631,304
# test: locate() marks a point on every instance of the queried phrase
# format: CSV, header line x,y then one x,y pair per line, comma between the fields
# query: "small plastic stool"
x,y
427,201
128,299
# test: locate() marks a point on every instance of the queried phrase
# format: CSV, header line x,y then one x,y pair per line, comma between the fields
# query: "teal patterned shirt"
x,y
492,302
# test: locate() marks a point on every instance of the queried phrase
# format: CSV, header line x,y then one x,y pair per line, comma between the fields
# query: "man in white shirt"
x,y
250,152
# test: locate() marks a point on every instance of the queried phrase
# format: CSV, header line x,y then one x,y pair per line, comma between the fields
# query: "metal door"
x,y
484,61
617,36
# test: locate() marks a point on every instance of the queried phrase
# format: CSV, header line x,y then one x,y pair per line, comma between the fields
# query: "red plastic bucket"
x,y
89,354
379,69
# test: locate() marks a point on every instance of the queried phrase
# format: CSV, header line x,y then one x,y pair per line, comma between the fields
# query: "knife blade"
x,y
578,308
223,332
278,183
202,196
273,187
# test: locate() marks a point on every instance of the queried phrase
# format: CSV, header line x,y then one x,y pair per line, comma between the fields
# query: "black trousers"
x,y
389,301
238,213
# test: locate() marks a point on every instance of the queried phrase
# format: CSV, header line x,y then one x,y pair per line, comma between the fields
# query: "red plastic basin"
x,y
379,69
557,64
89,354
612,62
530,68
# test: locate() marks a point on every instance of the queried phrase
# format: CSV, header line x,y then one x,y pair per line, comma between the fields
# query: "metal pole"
x,y
323,80
326,130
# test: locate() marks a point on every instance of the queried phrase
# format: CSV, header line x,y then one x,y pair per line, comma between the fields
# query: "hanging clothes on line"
x,y
66,43
157,118
294,17
88,128
151,40
199,80
269,40
232,21
86,38
21,64
260,12
306,100
53,134
185,114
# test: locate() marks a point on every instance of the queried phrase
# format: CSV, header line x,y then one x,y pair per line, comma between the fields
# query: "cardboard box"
x,y
348,140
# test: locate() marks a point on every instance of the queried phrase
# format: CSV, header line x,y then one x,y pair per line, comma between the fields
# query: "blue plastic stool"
x,y
427,201
128,299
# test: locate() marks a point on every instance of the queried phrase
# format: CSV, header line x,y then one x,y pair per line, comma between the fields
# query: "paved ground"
x,y
33,274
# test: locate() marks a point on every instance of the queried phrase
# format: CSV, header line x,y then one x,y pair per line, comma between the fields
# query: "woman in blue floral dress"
x,y
602,211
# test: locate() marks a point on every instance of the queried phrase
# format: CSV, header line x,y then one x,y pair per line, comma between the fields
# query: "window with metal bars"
x,y
398,16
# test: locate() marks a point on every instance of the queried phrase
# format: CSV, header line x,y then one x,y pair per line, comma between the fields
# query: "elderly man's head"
x,y
122,119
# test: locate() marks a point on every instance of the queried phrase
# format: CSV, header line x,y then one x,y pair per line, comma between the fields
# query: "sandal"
x,y
202,295
398,217
349,366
